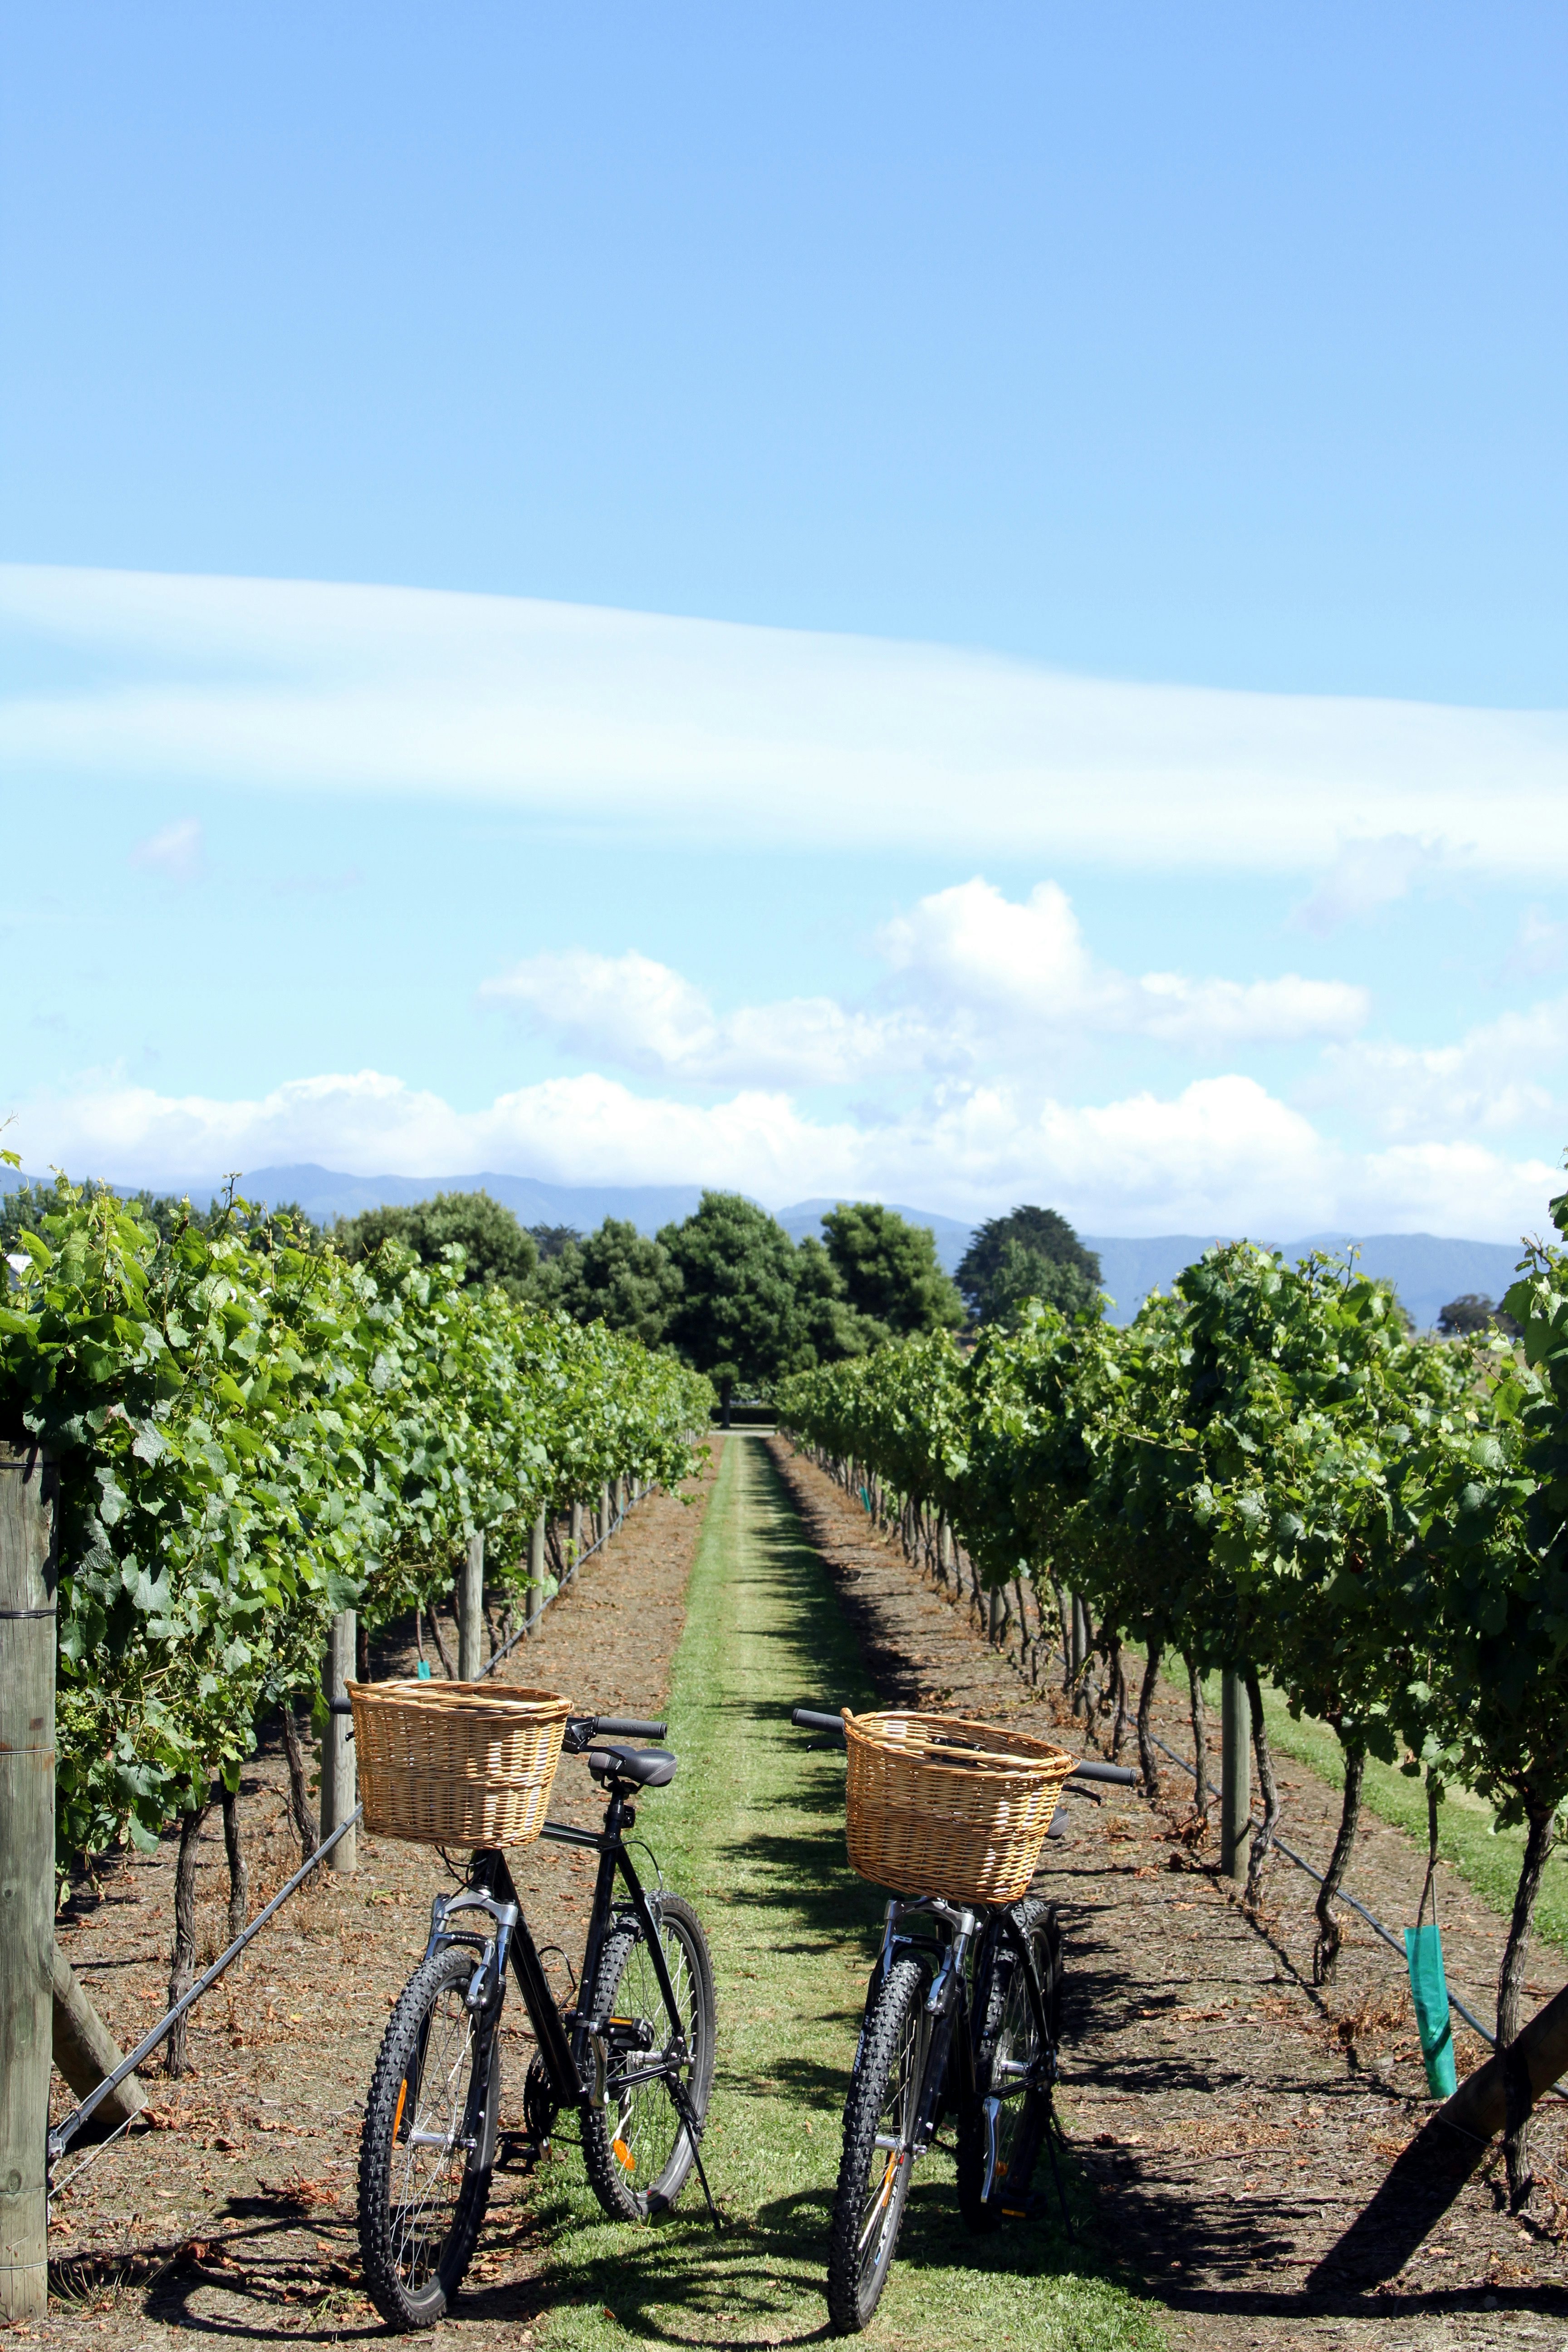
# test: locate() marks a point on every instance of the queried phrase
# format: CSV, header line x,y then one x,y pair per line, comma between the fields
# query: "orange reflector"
x,y
402,2094
624,2156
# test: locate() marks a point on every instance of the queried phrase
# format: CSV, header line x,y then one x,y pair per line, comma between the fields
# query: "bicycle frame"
x,y
948,2005
575,2050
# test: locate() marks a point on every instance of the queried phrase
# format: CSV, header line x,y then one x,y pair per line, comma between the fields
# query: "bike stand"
x,y
693,2133
1053,2132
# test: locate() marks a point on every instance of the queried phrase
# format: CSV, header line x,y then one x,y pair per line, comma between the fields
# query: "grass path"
x,y
753,1830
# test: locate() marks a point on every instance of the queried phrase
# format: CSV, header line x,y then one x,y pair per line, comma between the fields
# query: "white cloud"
x,y
1499,1075
982,983
1223,1155
971,949
589,717
641,1015
1539,946
1367,875
176,851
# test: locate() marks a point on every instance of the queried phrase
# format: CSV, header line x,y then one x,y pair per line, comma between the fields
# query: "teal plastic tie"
x,y
424,1673
1429,1990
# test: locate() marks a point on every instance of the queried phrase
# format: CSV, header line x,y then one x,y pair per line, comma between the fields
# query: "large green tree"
x,y
890,1270
1031,1252
740,1318
617,1276
496,1246
831,1328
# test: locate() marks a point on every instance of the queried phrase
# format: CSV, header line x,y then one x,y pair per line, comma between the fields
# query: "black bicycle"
x,y
634,2055
962,2018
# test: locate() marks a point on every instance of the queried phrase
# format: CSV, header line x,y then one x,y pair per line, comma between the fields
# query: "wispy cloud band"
x,y
743,734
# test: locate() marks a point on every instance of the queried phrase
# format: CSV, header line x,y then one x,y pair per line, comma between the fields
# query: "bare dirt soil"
x,y
1235,2121
233,2214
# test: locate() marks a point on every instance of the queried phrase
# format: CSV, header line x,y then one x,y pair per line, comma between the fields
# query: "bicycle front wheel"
x,y
879,2142
1001,2129
638,2147
427,2151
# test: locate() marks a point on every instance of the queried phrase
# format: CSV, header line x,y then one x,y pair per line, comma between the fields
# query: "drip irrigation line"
x,y
60,2139
64,2132
1255,1823
1372,1921
529,1623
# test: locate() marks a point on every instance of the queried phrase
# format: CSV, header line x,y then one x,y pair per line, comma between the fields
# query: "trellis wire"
x,y
64,2132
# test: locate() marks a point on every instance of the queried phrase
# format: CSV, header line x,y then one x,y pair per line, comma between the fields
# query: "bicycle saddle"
x,y
651,1768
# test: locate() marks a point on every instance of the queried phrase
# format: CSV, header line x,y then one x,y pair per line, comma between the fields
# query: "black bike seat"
x,y
651,1768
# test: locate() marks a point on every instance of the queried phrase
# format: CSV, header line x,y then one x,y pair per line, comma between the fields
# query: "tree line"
x,y
726,1288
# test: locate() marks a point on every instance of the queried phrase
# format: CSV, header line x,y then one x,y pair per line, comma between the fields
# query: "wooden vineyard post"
x,y
28,1570
574,1540
470,1610
603,1512
1235,1775
536,1570
337,1798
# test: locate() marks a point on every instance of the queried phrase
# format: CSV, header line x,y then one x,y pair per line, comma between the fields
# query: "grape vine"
x,y
252,1436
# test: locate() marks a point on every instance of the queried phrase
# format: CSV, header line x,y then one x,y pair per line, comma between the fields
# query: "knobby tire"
x,y
421,2200
874,2182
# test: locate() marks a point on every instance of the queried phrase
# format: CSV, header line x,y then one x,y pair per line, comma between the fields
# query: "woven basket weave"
x,y
459,1764
941,1806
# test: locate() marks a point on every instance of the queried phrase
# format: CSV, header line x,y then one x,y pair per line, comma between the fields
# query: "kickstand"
x,y
683,2102
1053,2132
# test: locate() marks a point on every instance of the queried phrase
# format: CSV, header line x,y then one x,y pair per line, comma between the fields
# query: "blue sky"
x,y
1100,471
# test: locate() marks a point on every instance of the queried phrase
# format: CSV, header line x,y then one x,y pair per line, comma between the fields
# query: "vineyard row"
x,y
1269,1474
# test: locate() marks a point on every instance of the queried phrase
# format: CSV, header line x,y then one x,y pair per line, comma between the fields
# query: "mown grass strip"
x,y
753,1830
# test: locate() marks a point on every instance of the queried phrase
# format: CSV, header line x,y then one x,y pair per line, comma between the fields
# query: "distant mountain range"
x,y
1426,1269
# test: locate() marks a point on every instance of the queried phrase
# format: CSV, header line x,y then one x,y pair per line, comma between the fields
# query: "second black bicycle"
x,y
962,2018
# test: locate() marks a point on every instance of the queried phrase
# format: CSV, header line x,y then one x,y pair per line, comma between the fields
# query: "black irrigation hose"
x,y
64,2132
529,1623
1372,1919
60,2139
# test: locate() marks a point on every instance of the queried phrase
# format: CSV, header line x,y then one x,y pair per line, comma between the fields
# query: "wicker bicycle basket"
x,y
459,1764
938,1805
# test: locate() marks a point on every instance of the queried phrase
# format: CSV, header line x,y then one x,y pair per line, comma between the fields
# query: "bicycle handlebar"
x,y
810,1718
628,1726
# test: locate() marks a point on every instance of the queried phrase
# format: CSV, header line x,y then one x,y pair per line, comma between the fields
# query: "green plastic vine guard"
x,y
1429,1990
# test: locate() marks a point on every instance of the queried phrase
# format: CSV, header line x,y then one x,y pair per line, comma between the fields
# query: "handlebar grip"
x,y
340,1706
809,1719
626,1727
1119,1776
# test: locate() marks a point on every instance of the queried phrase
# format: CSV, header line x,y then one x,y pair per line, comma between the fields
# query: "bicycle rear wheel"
x,y
878,2138
636,2147
1000,2130
427,2151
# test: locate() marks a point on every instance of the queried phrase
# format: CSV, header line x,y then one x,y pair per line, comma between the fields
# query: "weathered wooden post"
x,y
337,1794
27,1579
620,1498
536,1570
603,1512
574,1540
1235,1775
470,1610
86,2051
